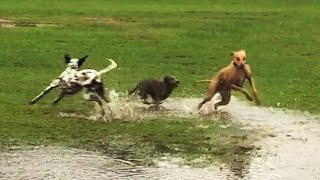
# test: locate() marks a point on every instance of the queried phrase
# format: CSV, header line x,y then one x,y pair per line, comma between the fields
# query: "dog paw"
x,y
249,98
31,102
258,102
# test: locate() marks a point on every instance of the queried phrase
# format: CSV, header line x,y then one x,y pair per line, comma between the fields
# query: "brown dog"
x,y
230,78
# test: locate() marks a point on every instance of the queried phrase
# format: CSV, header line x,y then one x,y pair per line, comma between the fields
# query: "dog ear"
x,y
67,58
81,60
166,79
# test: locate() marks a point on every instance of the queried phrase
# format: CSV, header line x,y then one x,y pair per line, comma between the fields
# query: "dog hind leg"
x,y
58,99
212,90
226,96
99,88
134,90
91,97
143,96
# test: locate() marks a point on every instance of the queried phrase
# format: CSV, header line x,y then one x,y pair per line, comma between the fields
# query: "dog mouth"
x,y
238,65
177,83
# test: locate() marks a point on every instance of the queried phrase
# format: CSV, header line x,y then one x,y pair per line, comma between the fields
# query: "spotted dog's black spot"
x,y
67,58
81,60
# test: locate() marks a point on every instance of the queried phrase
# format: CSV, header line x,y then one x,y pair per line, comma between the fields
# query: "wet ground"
x,y
11,23
61,163
289,148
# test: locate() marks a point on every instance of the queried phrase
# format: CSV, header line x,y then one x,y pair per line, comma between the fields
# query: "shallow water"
x,y
62,163
289,147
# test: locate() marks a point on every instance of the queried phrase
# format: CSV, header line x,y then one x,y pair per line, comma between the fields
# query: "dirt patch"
x,y
7,23
110,21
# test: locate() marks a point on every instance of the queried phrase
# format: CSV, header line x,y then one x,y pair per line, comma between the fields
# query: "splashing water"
x,y
131,108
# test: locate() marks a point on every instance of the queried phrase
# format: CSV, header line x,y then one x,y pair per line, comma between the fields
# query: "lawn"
x,y
188,39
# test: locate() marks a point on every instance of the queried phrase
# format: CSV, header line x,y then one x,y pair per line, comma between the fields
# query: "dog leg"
x,y
157,100
91,97
100,92
212,90
252,84
58,99
143,96
254,91
226,96
55,83
244,91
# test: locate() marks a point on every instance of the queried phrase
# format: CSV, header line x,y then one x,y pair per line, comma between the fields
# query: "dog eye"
x,y
238,59
244,59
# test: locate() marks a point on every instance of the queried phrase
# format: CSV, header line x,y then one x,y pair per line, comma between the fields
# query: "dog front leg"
x,y
254,91
242,90
58,99
55,83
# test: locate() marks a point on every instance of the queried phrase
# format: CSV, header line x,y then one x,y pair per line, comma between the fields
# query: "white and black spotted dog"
x,y
72,80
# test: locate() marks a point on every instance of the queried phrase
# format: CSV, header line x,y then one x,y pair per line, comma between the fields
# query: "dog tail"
x,y
202,81
113,65
134,90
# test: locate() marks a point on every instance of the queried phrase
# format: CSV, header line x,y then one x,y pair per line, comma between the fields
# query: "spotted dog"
x,y
72,80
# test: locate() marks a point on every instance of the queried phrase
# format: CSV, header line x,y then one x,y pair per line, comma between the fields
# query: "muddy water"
x,y
289,147
289,143
61,163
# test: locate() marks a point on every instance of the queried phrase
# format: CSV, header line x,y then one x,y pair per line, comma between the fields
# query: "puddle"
x,y
289,147
6,23
63,163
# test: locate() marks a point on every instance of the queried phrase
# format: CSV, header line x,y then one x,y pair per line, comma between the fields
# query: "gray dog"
x,y
159,90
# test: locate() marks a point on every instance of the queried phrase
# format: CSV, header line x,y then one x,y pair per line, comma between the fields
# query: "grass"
x,y
188,39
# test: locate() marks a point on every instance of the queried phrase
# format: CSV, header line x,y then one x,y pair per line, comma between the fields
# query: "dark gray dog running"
x,y
159,90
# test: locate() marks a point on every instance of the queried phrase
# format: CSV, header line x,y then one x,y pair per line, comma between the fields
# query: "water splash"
x,y
127,107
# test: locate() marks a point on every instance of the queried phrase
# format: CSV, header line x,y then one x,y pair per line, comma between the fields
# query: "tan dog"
x,y
230,78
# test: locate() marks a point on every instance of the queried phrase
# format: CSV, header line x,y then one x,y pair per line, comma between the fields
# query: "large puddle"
x,y
62,163
289,147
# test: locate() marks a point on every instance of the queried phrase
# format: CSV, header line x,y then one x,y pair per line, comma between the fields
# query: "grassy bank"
x,y
188,39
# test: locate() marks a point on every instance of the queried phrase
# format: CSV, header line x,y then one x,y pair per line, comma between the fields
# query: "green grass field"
x,y
188,39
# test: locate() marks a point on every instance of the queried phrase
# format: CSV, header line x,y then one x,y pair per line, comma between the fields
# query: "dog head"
x,y
171,80
74,63
239,57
